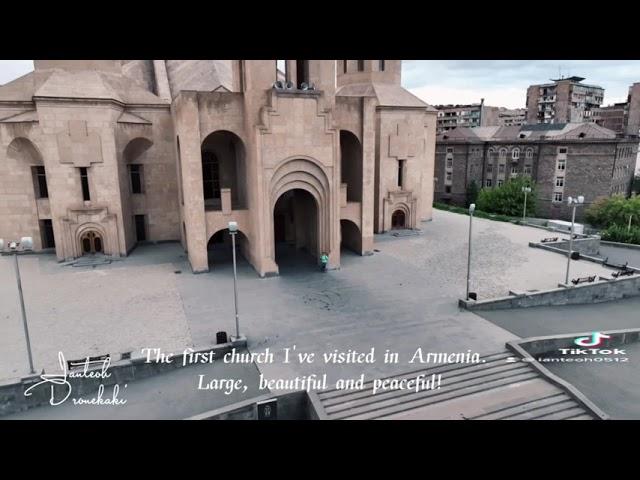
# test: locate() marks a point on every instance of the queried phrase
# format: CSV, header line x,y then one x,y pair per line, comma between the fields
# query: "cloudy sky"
x,y
501,83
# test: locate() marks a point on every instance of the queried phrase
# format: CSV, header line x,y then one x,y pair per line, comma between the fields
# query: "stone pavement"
x,y
402,297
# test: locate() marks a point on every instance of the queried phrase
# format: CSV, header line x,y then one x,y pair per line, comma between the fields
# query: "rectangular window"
x,y
46,233
562,151
84,180
500,182
447,189
135,172
401,173
487,182
557,197
514,169
449,150
489,168
559,181
40,180
562,164
527,169
141,229
449,162
345,65
449,176
500,168
210,176
381,65
361,65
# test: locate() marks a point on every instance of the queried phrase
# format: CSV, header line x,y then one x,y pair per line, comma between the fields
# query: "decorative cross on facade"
x,y
402,144
78,146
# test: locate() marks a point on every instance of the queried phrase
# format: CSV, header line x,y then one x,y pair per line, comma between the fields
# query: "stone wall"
x,y
602,290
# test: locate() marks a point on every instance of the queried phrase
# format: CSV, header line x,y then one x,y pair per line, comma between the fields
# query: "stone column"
x,y
368,172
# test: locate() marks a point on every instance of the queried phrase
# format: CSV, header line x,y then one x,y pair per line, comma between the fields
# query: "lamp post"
x,y
472,208
525,190
233,231
574,202
14,248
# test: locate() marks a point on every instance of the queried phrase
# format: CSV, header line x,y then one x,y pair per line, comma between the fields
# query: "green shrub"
x,y
616,210
508,199
620,233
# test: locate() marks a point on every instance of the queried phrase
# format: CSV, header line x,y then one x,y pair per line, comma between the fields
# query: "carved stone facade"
x,y
102,155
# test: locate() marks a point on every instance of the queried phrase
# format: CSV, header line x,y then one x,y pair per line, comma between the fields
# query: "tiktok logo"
x,y
593,340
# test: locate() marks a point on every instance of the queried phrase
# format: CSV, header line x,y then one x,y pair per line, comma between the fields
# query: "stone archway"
x,y
398,219
296,226
91,243
304,174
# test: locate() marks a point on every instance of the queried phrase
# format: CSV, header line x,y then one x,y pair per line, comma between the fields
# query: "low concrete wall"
x,y
602,290
585,245
291,406
13,400
621,245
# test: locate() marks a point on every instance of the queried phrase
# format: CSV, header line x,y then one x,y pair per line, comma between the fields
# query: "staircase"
x,y
498,389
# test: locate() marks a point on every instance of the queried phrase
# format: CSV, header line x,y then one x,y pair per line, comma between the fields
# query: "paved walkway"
x,y
401,298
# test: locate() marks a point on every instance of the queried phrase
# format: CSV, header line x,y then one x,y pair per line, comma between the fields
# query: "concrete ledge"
x,y
13,400
296,405
602,290
621,245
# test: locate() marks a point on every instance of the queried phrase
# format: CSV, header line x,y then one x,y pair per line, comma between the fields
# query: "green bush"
x,y
620,233
477,213
508,199
616,210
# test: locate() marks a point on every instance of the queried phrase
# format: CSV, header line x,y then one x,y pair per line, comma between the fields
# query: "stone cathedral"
x,y
97,156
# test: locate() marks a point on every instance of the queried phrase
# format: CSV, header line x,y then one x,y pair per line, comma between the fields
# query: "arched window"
x,y
515,154
529,153
503,153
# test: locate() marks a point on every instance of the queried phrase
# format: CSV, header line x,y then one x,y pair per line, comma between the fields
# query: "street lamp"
x,y
15,248
233,231
472,208
574,202
525,190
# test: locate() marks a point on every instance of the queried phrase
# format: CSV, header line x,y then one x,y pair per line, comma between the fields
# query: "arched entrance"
x,y
398,219
295,229
220,249
223,166
91,243
350,237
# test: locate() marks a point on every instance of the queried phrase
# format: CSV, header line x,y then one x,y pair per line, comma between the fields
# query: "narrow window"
x,y
557,197
141,231
135,172
487,182
562,164
84,179
210,176
46,232
559,181
345,66
381,65
302,72
361,65
401,173
281,71
40,182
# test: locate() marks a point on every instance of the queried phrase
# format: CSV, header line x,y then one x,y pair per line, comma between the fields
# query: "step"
x,y
470,407
489,359
541,411
564,413
585,416
523,407
449,383
387,408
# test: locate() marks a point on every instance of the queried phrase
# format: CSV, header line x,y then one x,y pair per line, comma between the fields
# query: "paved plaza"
x,y
402,297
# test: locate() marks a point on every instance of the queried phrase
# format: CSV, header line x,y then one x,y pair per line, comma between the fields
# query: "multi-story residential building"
x,y
511,117
472,115
612,117
562,159
100,155
566,100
